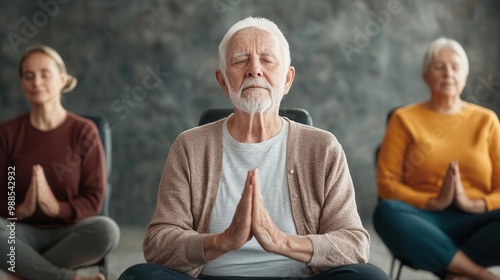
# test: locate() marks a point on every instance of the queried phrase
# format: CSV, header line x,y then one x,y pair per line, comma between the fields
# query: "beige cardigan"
x,y
321,191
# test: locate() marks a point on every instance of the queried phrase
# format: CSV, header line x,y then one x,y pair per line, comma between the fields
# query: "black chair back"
x,y
104,128
295,114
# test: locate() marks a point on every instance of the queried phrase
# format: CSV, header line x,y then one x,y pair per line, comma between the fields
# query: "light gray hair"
x,y
445,43
258,22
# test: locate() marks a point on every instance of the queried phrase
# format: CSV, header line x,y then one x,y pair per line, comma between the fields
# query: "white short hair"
x,y
258,22
445,43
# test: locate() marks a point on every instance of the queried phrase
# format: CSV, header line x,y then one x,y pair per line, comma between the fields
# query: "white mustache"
x,y
255,82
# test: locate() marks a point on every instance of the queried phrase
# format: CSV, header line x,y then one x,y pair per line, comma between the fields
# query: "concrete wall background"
x,y
355,60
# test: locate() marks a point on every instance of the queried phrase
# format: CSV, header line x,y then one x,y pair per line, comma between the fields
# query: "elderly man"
x,y
255,195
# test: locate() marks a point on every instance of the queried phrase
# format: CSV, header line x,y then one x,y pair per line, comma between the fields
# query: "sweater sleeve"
x,y
341,237
392,164
170,238
493,199
88,200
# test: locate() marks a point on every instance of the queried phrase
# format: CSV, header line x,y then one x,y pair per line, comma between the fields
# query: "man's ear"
x,y
290,75
222,81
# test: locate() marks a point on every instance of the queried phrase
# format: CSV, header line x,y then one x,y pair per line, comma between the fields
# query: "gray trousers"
x,y
54,253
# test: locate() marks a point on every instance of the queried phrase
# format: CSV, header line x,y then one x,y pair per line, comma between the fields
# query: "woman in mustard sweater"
x,y
438,176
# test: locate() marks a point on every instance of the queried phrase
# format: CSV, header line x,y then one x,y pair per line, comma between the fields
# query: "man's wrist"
x,y
297,247
214,247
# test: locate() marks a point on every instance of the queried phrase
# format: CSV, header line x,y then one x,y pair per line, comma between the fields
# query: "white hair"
x,y
258,22
445,43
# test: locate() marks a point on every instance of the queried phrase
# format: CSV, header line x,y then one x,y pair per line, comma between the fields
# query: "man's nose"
x,y
254,68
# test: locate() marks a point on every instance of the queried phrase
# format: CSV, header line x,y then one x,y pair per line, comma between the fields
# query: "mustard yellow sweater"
x,y
420,143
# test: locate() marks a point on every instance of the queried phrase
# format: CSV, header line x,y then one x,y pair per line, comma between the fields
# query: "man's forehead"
x,y
244,36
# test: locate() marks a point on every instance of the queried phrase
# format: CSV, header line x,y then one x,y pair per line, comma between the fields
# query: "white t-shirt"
x,y
270,158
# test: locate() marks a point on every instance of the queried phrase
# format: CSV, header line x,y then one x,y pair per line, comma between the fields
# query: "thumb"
x,y
34,176
457,170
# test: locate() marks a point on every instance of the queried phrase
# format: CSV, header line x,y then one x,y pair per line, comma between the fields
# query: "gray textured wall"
x,y
354,60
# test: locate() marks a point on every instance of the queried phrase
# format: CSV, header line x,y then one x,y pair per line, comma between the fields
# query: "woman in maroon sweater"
x,y
52,163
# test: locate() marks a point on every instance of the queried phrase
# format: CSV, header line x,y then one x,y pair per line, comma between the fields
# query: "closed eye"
x,y
239,61
46,74
28,75
268,58
439,65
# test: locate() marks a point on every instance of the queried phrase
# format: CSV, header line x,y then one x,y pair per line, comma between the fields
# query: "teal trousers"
x,y
428,240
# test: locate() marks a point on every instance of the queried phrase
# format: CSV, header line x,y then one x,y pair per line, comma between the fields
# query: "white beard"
x,y
256,100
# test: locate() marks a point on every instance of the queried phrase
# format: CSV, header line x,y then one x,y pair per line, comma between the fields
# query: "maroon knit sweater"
x,y
73,161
